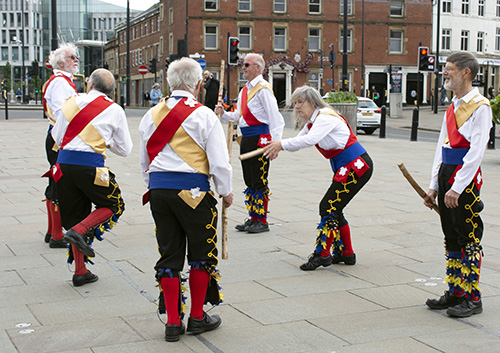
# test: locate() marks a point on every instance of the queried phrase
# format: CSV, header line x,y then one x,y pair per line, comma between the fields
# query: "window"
x,y
480,8
446,39
314,6
480,42
396,42
15,53
279,38
245,36
244,5
4,37
279,6
349,7
171,16
313,79
211,5
497,39
465,7
5,53
480,74
498,8
464,40
210,37
396,8
349,40
314,39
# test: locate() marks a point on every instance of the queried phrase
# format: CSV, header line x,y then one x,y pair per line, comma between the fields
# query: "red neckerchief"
x,y
456,138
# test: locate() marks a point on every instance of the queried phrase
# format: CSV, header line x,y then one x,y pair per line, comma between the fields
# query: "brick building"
x,y
295,38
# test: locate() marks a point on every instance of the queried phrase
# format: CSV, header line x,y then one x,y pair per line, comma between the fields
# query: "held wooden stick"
x,y
415,186
252,154
221,85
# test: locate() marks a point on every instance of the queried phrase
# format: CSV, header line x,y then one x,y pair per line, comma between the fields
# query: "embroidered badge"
x,y
190,101
195,192
104,177
343,170
54,170
264,141
479,179
359,164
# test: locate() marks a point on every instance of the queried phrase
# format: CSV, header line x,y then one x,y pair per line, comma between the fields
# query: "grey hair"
x,y
185,74
100,82
259,60
310,95
463,60
59,55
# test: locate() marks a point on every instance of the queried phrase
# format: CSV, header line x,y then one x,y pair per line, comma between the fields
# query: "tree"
x,y
7,69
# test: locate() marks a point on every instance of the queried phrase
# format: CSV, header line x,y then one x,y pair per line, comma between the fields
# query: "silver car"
x,y
368,115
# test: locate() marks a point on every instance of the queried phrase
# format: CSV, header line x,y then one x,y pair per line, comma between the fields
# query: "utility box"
x,y
396,105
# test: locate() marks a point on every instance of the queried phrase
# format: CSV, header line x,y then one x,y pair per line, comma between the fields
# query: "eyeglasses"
x,y
73,57
247,64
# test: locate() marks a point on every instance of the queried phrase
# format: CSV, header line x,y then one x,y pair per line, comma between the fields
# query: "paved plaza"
x,y
270,305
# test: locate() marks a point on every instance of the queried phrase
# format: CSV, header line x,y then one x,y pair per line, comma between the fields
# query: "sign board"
x,y
202,63
329,81
143,69
47,64
396,80
124,79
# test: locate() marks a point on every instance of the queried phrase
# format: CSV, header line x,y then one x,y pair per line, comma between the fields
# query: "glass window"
x,y
446,6
279,38
314,6
210,37
497,39
349,7
396,42
480,8
498,8
464,40
5,53
480,41
446,39
314,39
245,35
349,40
4,20
396,8
465,7
244,5
280,6
211,5
15,53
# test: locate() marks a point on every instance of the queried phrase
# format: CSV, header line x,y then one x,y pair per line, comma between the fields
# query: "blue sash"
x,y
178,181
454,156
347,156
254,130
90,159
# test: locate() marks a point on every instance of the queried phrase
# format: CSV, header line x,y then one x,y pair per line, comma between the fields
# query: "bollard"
x,y
6,105
414,125
381,132
122,101
491,142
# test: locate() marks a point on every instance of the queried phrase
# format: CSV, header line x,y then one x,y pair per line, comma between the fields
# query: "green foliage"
x,y
6,75
341,97
495,107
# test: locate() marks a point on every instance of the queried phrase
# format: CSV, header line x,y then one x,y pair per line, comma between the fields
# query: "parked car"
x,y
368,115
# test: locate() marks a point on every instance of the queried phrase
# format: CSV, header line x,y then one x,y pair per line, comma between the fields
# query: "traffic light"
x,y
34,68
426,62
332,56
167,62
152,65
232,52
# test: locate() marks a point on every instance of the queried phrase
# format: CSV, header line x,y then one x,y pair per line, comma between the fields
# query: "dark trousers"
x,y
256,169
51,190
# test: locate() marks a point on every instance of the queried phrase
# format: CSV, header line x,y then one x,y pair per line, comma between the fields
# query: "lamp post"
x,y
102,39
320,51
23,70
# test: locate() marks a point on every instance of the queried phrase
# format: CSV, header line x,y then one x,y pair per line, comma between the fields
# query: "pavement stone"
x,y
270,305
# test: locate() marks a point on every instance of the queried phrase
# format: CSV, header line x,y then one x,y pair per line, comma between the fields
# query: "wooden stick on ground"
x,y
415,186
225,251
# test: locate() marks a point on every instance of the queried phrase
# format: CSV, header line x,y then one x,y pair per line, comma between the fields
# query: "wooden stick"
x,y
415,186
252,154
225,251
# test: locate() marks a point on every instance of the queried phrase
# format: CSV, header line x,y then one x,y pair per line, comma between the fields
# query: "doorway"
x,y
279,88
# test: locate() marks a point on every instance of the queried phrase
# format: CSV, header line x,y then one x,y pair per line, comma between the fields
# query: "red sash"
x,y
46,84
168,127
455,137
84,117
249,118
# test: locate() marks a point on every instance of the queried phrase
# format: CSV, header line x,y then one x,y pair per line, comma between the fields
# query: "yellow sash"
x,y
262,84
466,109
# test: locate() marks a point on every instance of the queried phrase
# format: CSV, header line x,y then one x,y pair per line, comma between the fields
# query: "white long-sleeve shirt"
x,y
58,91
476,130
328,131
263,106
205,129
111,124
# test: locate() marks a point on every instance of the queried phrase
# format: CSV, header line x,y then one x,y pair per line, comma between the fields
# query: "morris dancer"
x,y
456,181
351,165
55,92
260,122
182,146
86,126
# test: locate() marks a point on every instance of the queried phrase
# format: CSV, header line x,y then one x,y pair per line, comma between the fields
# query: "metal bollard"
x,y
381,132
122,101
414,125
491,142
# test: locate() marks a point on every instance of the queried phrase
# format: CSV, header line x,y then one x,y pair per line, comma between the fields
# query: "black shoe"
x,y
80,280
445,301
348,260
173,332
79,242
466,308
244,226
47,237
206,323
315,261
60,243
257,227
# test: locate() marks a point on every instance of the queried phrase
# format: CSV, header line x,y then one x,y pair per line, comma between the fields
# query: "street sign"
x,y
47,64
202,63
143,69
329,81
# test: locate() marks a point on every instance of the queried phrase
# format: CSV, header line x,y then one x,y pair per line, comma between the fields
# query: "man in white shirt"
x,y
260,122
58,88
182,148
456,181
87,125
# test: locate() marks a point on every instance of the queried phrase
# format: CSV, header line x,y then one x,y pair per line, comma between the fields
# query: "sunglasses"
x,y
73,57
247,64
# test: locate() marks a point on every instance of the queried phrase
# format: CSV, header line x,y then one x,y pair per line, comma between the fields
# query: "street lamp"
x,y
102,39
23,73
320,51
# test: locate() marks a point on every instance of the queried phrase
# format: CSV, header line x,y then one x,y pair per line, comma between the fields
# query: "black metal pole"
x,y
414,125
53,41
383,114
228,88
344,55
6,104
363,50
128,54
23,70
436,64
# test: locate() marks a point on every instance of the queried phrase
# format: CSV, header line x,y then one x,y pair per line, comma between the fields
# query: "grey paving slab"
x,y
6,343
390,346
383,276
474,340
13,315
395,296
41,294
